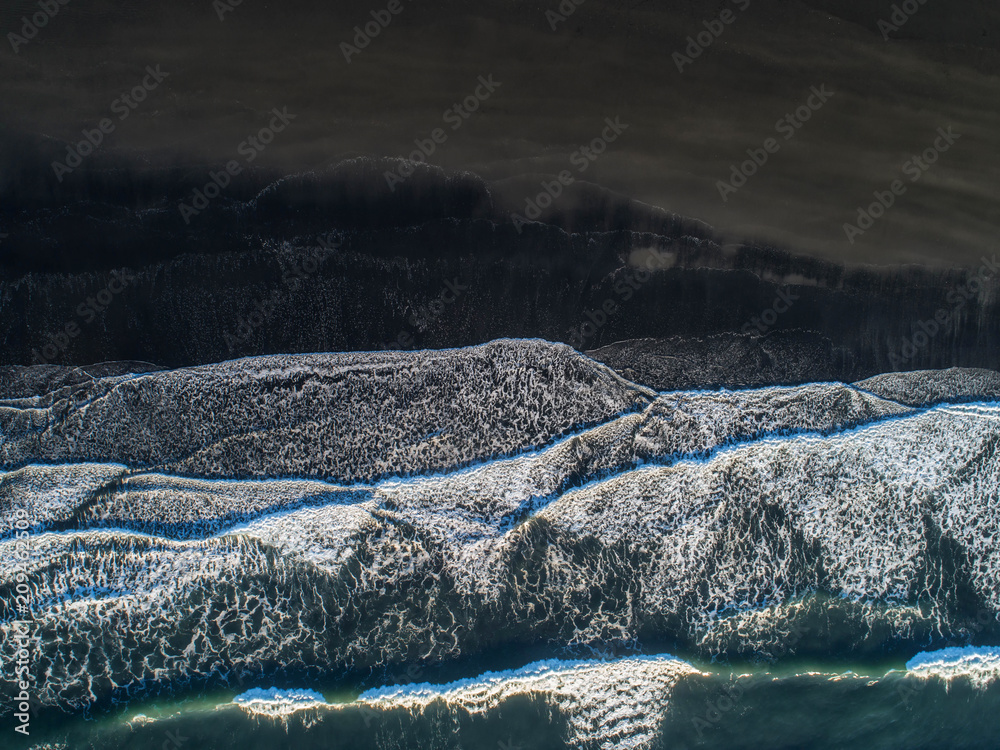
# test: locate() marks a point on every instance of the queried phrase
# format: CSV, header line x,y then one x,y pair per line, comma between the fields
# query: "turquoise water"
x,y
791,704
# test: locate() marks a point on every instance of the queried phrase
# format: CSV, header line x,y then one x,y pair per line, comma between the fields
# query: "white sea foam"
x,y
980,664
347,417
615,704
278,703
678,544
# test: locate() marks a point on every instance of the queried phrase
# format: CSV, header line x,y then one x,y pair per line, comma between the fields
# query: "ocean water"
x,y
506,546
